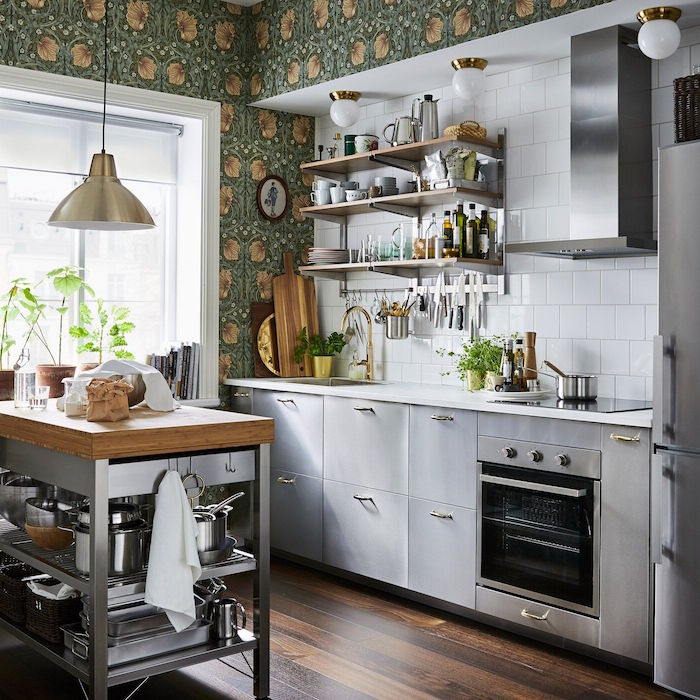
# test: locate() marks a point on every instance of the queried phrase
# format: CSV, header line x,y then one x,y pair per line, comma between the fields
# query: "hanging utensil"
x,y
480,305
461,301
472,308
215,509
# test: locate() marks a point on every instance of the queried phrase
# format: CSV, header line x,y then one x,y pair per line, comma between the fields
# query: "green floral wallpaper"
x,y
302,42
201,48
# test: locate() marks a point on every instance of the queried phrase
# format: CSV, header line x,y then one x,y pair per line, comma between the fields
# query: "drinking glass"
x,y
40,400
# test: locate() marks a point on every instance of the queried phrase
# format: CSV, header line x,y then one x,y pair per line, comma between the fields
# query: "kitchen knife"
x,y
452,307
461,301
480,304
437,299
472,308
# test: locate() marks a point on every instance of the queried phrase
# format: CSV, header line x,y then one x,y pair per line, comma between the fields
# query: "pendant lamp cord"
x,y
104,90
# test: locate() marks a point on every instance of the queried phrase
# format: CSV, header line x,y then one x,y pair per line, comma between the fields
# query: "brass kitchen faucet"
x,y
369,360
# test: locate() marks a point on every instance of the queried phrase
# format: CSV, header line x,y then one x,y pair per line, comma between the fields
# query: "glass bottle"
x,y
448,235
25,381
432,234
460,229
471,233
484,236
519,365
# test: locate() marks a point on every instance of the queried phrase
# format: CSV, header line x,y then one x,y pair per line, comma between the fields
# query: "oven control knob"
x,y
507,452
562,460
534,456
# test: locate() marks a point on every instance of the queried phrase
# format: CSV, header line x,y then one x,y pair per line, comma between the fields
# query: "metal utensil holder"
x,y
396,327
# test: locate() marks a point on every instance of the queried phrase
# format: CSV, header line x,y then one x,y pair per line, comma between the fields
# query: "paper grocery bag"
x,y
107,400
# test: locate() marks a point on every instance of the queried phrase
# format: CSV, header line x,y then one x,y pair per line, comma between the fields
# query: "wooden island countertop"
x,y
146,432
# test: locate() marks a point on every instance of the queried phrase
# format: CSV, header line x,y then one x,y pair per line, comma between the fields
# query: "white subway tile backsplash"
x,y
596,316
587,287
614,356
601,321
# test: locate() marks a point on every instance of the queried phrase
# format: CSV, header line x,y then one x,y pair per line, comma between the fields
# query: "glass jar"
x,y
75,396
25,381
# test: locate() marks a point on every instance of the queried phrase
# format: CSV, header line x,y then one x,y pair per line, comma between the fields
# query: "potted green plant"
x,y
321,351
102,332
65,280
10,309
475,360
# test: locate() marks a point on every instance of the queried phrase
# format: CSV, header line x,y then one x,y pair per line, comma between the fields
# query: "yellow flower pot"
x,y
322,365
475,380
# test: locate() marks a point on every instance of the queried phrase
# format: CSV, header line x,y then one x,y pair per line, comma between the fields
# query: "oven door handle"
x,y
531,486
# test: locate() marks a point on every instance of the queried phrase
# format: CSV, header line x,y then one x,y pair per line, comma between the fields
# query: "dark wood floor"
x,y
332,640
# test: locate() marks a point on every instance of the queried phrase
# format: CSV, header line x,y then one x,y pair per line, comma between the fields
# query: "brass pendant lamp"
x,y
102,203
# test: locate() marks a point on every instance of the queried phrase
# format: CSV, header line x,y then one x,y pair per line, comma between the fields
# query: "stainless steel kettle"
x,y
425,114
405,131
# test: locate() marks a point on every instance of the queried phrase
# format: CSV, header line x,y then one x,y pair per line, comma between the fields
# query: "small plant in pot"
x,y
102,332
475,360
67,282
321,350
10,308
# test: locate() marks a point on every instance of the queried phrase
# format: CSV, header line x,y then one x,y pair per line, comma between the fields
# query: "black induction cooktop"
x,y
600,405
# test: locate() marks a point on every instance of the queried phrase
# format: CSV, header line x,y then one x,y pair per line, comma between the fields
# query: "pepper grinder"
x,y
530,359
320,152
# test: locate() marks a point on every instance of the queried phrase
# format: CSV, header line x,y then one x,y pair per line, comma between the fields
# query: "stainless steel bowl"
x,y
15,489
47,512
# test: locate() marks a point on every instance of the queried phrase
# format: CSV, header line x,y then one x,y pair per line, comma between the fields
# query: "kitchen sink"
x,y
330,381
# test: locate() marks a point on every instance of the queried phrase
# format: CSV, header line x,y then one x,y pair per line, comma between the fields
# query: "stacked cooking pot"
x,y
129,535
213,544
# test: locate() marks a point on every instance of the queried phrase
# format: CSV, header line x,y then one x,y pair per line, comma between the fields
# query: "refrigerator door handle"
x,y
668,506
664,420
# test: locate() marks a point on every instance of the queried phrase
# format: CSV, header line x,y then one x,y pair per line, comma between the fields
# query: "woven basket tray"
x,y
13,590
466,130
686,108
45,616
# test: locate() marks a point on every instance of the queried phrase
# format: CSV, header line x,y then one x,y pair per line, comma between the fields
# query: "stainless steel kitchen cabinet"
x,y
366,443
624,544
296,514
442,551
298,445
442,455
365,531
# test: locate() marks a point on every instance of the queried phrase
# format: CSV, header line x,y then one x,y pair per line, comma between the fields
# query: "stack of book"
x,y
180,367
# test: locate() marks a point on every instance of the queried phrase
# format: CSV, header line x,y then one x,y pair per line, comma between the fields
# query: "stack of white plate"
x,y
328,256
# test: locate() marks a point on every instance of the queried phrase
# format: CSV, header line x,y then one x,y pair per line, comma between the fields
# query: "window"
x,y
44,153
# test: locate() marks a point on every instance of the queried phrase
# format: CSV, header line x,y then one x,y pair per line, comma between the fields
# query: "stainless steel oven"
x,y
539,522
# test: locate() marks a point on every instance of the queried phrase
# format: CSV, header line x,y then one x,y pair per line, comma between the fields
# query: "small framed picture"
x,y
273,197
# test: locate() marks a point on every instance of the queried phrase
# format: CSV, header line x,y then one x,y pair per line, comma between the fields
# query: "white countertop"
x,y
446,397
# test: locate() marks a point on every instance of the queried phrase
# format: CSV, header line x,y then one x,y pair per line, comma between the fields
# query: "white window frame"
x,y
49,88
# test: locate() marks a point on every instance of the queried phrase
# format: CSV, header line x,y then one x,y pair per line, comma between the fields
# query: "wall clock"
x,y
273,197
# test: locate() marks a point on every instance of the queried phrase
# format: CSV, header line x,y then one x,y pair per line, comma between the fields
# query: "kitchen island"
x,y
128,458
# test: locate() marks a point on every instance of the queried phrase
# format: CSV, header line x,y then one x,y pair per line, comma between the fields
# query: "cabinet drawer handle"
x,y
442,516
436,417
284,480
362,409
357,497
230,468
241,395
625,438
531,616
286,401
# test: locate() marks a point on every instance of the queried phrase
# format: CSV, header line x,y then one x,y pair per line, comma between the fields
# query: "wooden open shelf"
x,y
413,200
411,153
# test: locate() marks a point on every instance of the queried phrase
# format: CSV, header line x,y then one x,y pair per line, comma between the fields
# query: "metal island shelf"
x,y
115,460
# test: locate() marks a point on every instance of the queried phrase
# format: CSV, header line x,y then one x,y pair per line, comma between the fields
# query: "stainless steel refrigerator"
x,y
676,474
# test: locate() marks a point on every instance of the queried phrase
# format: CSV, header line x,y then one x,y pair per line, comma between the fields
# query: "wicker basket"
x,y
45,616
686,109
466,130
13,590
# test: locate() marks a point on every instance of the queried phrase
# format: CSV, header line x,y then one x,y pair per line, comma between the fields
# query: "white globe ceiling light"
x,y
659,35
468,81
345,111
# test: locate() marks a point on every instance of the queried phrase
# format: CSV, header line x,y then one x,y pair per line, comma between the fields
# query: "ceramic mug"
x,y
354,195
337,194
321,197
375,191
321,184
365,143
494,381
350,184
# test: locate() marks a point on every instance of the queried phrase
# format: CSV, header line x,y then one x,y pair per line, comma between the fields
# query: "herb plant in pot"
x,y
475,360
67,282
321,351
102,332
10,308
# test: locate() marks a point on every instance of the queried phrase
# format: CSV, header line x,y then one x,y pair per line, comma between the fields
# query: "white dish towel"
x,y
173,564
158,396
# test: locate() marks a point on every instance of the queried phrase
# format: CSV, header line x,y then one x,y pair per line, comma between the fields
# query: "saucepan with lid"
x,y
574,387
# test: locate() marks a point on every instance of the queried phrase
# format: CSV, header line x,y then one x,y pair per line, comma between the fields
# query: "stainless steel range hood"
x,y
611,159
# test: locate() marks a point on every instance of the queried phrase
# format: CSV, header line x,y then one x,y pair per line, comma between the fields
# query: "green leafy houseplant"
x,y
320,349
103,332
10,308
475,359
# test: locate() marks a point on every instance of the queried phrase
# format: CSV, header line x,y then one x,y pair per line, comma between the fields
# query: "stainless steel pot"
x,y
15,489
212,522
47,512
575,387
127,548
120,513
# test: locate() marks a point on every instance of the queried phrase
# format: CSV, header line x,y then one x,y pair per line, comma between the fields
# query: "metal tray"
x,y
75,639
138,618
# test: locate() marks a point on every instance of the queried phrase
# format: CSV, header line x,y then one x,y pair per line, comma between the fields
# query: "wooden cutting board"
x,y
259,311
294,297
